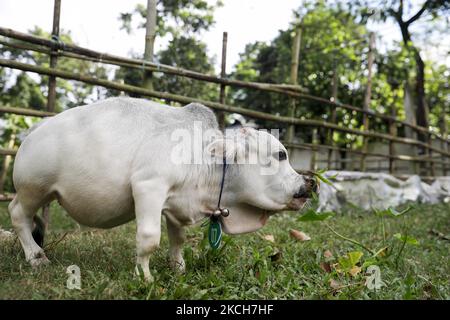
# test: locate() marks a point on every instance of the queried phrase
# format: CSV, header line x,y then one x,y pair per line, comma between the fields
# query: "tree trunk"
x,y
421,107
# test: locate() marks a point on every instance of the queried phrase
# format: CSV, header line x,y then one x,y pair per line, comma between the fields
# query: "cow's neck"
x,y
209,190
197,197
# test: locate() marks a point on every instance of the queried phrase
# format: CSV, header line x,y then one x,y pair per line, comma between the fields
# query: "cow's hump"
x,y
202,113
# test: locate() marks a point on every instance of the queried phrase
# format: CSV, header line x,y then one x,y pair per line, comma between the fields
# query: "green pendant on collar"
x,y
215,227
214,233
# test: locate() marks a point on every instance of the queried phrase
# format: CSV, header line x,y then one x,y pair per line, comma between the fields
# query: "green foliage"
x,y
312,215
350,260
391,211
331,39
191,54
407,239
335,37
175,17
182,22
182,52
22,90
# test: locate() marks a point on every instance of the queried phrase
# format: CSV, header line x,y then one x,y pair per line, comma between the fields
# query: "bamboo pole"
x,y
295,56
77,52
150,36
26,112
367,97
51,97
443,144
221,114
6,197
310,146
7,152
313,165
392,132
213,105
6,163
430,155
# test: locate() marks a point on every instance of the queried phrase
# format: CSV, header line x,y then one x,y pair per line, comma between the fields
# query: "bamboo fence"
x,y
55,48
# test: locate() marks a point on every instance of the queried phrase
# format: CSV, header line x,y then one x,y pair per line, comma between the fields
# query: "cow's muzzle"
x,y
307,189
305,193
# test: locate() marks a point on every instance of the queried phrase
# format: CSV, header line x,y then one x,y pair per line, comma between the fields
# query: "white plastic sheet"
x,y
379,191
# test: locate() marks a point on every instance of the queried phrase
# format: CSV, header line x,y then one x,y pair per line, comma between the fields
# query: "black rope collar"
x,y
224,212
215,225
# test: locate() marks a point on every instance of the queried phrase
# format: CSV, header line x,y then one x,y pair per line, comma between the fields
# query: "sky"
x,y
94,24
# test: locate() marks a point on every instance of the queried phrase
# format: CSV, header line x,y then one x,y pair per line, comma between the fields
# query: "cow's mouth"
x,y
245,218
297,203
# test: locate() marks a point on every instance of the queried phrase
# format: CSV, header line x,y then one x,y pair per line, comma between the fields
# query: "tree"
x,y
182,23
331,40
335,37
174,17
398,10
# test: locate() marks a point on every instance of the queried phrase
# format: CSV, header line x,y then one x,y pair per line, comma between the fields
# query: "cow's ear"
x,y
222,147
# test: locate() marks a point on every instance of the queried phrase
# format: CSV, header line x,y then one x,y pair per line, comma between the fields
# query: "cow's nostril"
x,y
302,193
306,191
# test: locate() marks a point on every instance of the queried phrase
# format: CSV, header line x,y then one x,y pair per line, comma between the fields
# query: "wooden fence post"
x,y
334,92
150,36
51,96
392,132
367,97
430,155
6,162
295,55
448,158
221,114
313,164
444,145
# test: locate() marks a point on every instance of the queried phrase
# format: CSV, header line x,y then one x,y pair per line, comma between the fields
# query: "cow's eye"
x,y
282,155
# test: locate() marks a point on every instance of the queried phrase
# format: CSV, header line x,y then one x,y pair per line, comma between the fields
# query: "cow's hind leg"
x,y
22,215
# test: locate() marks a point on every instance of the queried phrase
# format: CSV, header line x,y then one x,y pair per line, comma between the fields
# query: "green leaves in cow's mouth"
x,y
312,215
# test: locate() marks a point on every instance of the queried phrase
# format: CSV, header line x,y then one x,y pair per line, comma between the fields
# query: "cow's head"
x,y
259,180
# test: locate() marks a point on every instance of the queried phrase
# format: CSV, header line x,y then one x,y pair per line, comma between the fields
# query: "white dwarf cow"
x,y
122,159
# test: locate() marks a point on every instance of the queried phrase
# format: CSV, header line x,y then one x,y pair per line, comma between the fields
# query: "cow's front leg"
x,y
176,240
149,197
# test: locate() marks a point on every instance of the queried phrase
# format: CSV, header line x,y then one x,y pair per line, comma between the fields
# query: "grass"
x,y
246,266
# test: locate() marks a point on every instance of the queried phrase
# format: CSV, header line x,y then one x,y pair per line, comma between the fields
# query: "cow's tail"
x,y
40,225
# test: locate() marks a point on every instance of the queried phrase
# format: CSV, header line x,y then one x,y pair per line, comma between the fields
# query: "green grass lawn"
x,y
246,266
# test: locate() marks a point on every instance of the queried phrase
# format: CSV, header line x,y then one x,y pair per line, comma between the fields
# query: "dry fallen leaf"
x,y
325,266
438,234
269,237
327,254
334,284
355,270
299,235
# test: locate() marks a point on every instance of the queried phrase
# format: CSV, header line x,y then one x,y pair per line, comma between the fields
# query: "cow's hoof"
x,y
145,275
40,261
178,266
